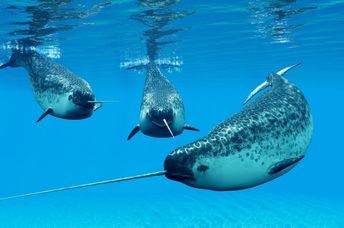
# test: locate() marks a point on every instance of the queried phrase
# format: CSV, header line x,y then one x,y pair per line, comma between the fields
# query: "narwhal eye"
x,y
202,168
70,97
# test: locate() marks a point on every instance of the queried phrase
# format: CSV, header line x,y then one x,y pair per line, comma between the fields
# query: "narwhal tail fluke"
x,y
99,104
12,62
160,173
5,65
256,90
267,84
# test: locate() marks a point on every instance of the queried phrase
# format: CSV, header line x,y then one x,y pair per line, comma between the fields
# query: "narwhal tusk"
x,y
102,102
86,185
168,127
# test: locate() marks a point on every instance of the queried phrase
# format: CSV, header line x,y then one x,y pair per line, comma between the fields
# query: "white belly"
x,y
250,167
230,173
60,104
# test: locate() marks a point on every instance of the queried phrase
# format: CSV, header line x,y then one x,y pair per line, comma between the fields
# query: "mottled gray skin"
x,y
247,149
55,87
160,101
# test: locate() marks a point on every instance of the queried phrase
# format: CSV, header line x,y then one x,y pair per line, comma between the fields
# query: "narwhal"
x,y
162,110
57,90
263,141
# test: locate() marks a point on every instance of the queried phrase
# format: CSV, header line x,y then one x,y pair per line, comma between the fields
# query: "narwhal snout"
x,y
178,168
157,116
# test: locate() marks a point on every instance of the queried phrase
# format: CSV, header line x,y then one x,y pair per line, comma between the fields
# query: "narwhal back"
x,y
274,119
280,117
45,74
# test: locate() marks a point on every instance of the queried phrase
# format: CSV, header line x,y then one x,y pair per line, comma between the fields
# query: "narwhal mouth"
x,y
181,177
177,168
85,100
87,105
160,117
161,124
166,125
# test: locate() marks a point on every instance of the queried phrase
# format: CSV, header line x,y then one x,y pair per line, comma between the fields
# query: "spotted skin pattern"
x,y
239,152
159,92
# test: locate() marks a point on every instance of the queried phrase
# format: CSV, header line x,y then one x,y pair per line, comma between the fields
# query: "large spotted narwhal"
x,y
57,90
263,141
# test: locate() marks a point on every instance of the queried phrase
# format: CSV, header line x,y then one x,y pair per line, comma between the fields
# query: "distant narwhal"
x,y
263,141
162,110
57,90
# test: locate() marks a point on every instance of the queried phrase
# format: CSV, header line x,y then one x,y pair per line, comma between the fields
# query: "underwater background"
x,y
218,51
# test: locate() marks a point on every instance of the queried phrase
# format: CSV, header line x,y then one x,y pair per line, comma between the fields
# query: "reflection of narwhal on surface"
x,y
273,19
263,141
162,110
57,90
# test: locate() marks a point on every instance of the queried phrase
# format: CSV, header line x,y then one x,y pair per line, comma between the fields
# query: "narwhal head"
x,y
159,116
162,121
83,103
193,165
178,166
183,163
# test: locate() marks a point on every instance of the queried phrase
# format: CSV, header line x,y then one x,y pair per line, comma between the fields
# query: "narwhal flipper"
x,y
189,127
266,83
134,131
97,106
47,112
279,166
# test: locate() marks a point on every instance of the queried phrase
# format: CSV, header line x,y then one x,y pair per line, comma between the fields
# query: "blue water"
x,y
227,49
